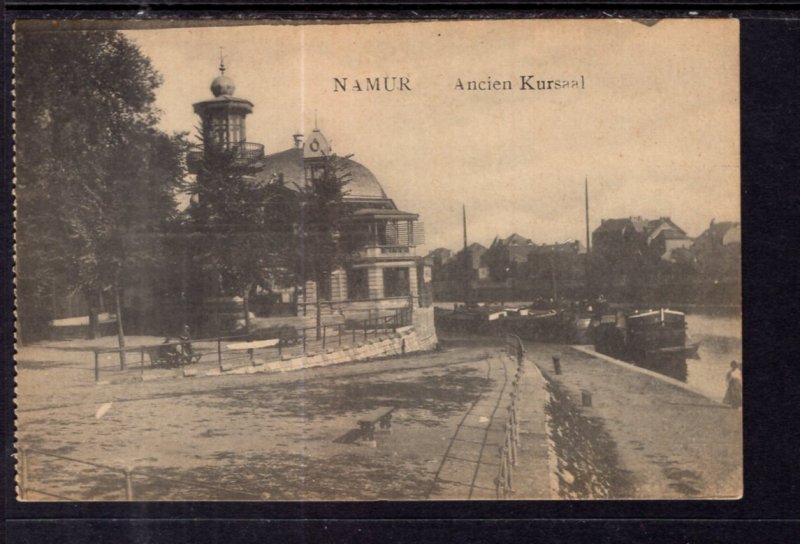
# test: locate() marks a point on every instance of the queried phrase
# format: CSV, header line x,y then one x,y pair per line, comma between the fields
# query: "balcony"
x,y
246,153
395,250
386,252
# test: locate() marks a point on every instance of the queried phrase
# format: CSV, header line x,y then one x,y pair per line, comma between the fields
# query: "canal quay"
x,y
642,434
598,429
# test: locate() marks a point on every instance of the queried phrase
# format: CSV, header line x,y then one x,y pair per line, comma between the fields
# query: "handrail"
x,y
72,459
351,300
24,471
504,482
176,343
198,484
190,352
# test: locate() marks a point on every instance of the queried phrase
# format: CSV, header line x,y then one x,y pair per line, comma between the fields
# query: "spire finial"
x,y
315,120
221,63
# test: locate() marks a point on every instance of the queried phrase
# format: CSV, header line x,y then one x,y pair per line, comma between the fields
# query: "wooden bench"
x,y
250,346
367,421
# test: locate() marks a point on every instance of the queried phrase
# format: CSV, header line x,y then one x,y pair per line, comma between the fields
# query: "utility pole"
x,y
464,218
467,267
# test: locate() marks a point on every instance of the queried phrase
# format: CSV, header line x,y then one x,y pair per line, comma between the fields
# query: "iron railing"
x,y
245,152
221,353
504,482
126,484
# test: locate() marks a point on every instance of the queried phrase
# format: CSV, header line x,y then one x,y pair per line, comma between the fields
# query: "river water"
x,y
720,338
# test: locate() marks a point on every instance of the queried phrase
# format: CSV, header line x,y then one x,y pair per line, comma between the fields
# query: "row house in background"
x,y
635,236
632,257
717,253
521,258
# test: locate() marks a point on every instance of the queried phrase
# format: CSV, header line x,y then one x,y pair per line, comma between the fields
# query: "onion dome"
x,y
222,86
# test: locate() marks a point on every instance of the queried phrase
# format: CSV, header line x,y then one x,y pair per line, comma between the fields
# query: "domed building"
x,y
381,275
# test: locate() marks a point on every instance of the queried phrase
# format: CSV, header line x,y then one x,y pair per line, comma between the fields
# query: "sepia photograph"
x,y
377,260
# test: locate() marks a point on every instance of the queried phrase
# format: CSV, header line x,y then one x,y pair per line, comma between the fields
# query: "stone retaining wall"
x,y
419,337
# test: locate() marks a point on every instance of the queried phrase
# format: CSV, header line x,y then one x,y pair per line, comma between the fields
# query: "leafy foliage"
x,y
324,239
241,228
95,179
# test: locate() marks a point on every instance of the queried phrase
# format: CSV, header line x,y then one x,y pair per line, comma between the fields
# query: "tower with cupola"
x,y
224,119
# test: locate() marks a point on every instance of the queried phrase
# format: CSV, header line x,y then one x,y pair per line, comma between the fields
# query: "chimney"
x,y
298,140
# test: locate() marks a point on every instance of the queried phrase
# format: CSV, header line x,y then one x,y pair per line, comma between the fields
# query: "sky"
x,y
655,129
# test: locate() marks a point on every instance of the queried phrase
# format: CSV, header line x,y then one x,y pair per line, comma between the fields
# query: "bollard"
x,y
219,353
128,485
304,341
556,364
324,334
141,366
586,398
96,366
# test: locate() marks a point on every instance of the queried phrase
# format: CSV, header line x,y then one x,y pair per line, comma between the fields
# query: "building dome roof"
x,y
362,184
222,86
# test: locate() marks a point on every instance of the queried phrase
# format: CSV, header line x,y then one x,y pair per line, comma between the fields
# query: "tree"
x,y
498,261
241,228
325,234
95,178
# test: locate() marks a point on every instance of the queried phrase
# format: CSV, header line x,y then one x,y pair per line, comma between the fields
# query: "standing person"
x,y
186,346
733,396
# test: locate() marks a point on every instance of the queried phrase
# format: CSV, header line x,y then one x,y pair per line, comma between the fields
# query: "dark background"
x,y
770,97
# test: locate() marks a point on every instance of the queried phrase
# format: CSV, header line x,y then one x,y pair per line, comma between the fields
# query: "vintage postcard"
x,y
409,260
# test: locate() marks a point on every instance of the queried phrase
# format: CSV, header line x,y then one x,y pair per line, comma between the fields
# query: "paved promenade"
x,y
470,465
293,435
667,441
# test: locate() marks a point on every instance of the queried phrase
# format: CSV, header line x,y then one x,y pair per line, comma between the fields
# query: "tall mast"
x,y
587,270
466,256
586,190
464,219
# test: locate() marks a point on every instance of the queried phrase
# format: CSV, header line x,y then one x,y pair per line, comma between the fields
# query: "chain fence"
x,y
504,482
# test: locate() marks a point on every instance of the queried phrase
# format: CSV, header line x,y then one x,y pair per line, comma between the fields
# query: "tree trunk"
x,y
246,306
319,320
318,277
553,276
120,330
92,303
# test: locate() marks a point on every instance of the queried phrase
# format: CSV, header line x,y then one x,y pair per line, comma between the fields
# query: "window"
x,y
357,284
324,289
396,282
